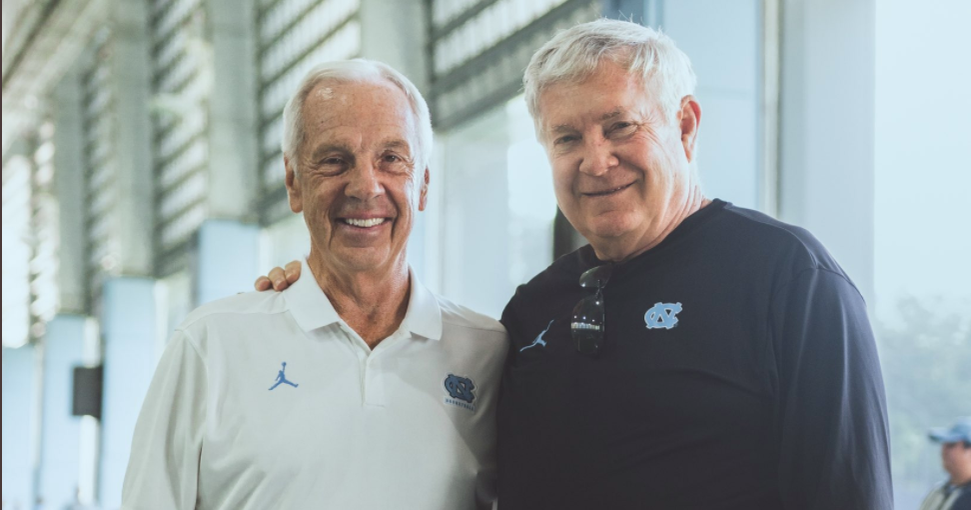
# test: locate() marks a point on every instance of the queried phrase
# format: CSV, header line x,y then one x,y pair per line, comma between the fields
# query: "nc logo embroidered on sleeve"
x,y
461,392
662,315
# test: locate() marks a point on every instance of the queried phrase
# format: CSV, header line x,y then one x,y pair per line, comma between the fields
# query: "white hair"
x,y
356,70
573,55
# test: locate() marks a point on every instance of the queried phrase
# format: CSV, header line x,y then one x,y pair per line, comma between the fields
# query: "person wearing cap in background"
x,y
955,493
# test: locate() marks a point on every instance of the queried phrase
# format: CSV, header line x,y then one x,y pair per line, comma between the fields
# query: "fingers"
x,y
278,278
262,283
292,271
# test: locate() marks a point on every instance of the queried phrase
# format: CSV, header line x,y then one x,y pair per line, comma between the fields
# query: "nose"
x,y
364,183
598,157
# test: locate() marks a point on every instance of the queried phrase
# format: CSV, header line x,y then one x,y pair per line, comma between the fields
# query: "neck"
x,y
623,249
961,479
372,302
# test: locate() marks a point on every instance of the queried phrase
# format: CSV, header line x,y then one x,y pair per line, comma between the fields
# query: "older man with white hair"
x,y
695,355
356,388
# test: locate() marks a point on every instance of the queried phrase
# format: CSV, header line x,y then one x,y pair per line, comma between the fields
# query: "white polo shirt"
x,y
409,425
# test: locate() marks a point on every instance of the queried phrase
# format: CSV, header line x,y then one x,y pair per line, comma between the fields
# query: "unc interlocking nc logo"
x,y
662,316
460,388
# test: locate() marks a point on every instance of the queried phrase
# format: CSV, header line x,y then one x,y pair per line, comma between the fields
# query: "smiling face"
x,y
621,170
355,176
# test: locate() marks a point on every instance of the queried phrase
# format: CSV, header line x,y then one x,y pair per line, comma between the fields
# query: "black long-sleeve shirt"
x,y
765,394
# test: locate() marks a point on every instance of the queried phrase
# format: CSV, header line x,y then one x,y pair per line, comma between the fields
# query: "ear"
x,y
423,194
293,186
690,120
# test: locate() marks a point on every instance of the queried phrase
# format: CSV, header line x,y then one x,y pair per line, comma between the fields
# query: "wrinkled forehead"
x,y
374,105
591,97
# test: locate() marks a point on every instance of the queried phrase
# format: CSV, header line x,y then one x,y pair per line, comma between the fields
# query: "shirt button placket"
x,y
374,382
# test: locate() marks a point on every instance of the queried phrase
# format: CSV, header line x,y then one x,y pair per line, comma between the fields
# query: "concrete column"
x,y
90,433
127,305
58,478
233,121
129,336
131,81
395,32
69,188
227,258
827,128
20,425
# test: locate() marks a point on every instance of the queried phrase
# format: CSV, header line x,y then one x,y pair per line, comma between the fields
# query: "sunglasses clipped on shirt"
x,y
587,326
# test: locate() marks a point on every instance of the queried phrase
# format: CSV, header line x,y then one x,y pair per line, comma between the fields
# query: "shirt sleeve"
x,y
164,464
831,425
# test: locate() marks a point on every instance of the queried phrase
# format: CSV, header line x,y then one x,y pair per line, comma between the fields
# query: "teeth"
x,y
364,223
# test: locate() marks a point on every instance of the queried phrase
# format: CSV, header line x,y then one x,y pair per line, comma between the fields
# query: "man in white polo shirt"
x,y
357,388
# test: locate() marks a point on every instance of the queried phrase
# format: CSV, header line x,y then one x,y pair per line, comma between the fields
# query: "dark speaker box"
x,y
87,391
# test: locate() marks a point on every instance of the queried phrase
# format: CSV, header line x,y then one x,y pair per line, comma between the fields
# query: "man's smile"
x,y
364,222
606,192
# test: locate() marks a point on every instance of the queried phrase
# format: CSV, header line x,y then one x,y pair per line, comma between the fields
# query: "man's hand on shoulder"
x,y
279,278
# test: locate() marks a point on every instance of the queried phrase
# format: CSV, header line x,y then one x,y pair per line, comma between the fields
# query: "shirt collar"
x,y
424,316
312,309
308,303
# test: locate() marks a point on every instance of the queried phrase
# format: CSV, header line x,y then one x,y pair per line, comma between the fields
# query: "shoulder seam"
x,y
500,330
231,312
191,340
776,227
822,269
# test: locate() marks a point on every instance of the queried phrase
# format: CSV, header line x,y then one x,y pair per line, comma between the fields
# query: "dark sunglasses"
x,y
587,324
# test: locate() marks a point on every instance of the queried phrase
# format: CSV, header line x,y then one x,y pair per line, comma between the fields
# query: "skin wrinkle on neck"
x,y
365,300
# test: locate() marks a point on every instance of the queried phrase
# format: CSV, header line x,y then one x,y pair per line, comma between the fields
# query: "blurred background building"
x,y
142,177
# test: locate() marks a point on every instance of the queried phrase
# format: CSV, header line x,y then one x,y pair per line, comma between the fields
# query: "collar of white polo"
x,y
312,309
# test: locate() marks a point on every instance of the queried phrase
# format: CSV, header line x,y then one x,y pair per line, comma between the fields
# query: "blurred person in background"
x,y
955,493
695,354
355,388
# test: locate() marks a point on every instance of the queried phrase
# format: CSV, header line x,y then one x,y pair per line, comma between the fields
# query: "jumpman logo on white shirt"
x,y
281,378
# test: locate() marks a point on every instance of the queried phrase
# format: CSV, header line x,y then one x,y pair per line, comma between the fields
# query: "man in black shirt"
x,y
695,355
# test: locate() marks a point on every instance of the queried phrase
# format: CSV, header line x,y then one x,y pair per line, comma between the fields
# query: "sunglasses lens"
x,y
597,277
587,324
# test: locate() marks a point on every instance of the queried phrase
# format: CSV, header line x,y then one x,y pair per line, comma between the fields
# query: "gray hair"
x,y
358,69
574,55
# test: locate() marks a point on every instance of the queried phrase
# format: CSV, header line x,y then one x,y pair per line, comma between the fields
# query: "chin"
x,y
611,225
358,259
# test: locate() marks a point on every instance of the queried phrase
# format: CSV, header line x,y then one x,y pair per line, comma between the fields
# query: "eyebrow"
x,y
323,149
617,112
565,128
397,144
